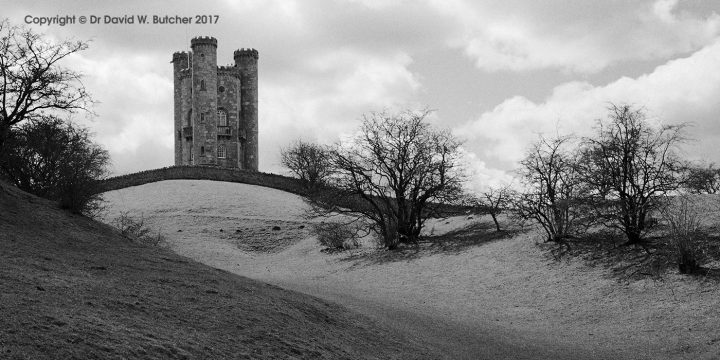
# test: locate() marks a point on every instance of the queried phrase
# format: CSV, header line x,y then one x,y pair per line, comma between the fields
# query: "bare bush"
x,y
136,230
685,218
336,235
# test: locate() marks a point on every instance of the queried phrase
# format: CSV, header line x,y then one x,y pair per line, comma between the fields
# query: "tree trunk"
x,y
633,234
4,133
688,266
390,234
497,224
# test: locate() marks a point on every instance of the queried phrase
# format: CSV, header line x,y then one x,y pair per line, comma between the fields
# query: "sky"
x,y
497,73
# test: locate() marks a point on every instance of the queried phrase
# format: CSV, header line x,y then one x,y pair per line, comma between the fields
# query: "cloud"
x,y
134,110
480,177
327,98
578,36
682,90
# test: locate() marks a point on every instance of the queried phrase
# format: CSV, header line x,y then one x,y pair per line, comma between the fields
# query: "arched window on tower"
x,y
222,117
188,121
202,85
221,151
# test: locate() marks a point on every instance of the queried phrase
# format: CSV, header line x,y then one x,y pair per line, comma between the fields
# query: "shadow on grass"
x,y
654,258
453,242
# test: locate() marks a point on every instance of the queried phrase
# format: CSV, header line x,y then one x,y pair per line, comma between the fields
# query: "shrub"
x,y
336,235
308,161
702,179
136,230
56,160
684,217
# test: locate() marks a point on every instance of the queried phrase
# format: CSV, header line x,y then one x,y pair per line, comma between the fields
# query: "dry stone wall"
x,y
274,181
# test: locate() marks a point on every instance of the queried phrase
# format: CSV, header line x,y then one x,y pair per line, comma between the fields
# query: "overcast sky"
x,y
498,72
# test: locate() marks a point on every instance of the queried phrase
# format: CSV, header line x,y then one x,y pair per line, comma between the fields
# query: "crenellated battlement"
x,y
249,52
203,40
180,56
232,68
229,70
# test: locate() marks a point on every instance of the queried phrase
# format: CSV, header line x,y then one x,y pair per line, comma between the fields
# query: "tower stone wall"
x,y
246,60
180,62
216,117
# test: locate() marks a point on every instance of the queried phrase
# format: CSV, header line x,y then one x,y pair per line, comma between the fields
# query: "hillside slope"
x,y
472,295
73,288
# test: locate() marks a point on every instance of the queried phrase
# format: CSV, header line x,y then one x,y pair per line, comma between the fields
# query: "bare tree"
x,y
629,165
553,194
32,82
308,161
701,179
493,201
399,170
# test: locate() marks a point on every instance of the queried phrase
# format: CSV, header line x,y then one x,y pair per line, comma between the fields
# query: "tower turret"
x,y
180,62
204,99
246,61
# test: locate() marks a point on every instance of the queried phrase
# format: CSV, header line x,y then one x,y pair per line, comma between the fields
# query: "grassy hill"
x,y
466,289
71,287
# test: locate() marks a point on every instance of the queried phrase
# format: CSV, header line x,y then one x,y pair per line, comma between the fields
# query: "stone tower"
x,y
216,108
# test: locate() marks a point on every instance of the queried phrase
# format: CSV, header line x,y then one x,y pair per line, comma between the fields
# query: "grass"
x,y
264,236
464,275
71,287
453,242
657,258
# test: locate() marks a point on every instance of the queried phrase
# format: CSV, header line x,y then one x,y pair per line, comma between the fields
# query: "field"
x,y
471,294
73,288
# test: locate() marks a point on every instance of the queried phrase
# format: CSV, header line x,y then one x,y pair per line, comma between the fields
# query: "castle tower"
x,y
180,62
215,107
204,99
246,61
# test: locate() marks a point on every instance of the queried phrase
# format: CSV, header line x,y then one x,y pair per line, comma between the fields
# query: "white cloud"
x,y
327,97
134,109
663,10
581,36
480,177
378,4
682,90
